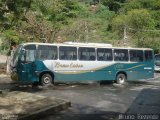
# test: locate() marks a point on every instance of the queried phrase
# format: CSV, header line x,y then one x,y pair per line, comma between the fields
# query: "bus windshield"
x,y
16,55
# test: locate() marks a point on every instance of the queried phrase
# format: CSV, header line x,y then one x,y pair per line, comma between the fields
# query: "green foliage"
x,y
132,5
156,17
58,10
142,4
113,5
91,25
136,19
142,22
104,13
140,19
119,22
11,36
12,11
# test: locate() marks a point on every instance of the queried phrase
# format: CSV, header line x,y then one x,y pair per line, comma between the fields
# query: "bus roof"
x,y
75,44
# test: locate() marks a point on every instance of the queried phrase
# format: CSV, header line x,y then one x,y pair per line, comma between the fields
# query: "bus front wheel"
x,y
121,78
46,80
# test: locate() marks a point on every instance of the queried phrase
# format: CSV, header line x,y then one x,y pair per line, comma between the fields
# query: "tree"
x,y
12,11
135,19
137,22
113,5
56,12
140,19
118,23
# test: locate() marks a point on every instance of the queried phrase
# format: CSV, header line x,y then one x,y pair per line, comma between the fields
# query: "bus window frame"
x,y
112,58
38,52
59,58
121,60
95,56
136,54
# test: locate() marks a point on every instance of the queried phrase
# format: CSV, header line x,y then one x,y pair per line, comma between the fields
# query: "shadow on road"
x,y
27,88
82,113
147,102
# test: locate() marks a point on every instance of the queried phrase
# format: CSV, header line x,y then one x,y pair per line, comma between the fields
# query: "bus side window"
x,y
120,55
67,53
92,57
87,54
47,52
136,55
82,53
104,54
82,57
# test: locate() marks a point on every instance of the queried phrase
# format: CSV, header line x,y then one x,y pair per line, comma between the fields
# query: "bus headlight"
x,y
37,73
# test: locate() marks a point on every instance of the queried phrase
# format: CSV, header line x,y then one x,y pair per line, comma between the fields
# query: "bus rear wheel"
x,y
121,78
46,80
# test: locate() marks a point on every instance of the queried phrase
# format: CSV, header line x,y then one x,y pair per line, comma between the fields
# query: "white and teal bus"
x,y
76,62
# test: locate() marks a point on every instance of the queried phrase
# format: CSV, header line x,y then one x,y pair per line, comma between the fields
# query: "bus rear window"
x,y
148,55
120,55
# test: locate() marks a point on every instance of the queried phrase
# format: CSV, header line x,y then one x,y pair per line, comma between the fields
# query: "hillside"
x,y
119,22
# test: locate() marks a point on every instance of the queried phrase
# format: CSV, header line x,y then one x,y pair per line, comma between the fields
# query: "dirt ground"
x,y
3,68
3,58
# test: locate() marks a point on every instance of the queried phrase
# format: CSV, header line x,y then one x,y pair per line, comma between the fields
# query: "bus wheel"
x,y
121,78
46,80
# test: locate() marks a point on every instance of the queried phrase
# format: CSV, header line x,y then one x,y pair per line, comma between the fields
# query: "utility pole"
x,y
125,35
86,31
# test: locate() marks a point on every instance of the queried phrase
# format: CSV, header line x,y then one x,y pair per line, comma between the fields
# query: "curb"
x,y
28,106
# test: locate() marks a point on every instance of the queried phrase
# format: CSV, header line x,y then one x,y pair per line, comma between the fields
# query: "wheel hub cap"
x,y
46,80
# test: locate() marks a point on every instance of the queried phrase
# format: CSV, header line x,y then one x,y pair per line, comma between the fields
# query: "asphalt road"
x,y
93,101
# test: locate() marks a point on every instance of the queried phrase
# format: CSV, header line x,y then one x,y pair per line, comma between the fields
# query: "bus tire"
x,y
121,78
46,80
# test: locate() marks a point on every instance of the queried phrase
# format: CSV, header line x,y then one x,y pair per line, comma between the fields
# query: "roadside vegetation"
x,y
134,23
